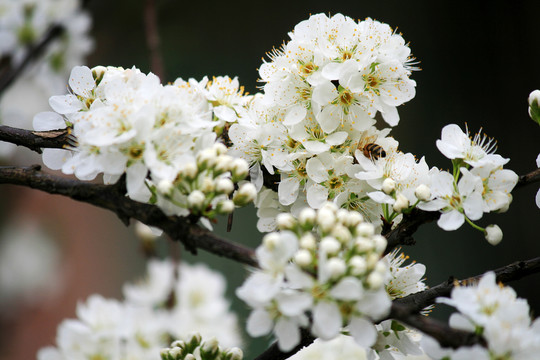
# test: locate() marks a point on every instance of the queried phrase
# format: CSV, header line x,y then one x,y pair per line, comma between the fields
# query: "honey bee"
x,y
373,151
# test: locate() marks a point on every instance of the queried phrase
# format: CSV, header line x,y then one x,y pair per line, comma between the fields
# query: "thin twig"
x,y
112,197
530,178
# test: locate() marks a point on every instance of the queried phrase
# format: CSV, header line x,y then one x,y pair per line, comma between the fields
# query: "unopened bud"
x,y
285,221
336,267
353,219
423,192
307,241
401,203
196,199
220,149
245,194
380,243
223,163
365,229
306,218
239,169
271,241
358,265
363,244
534,106
326,219
207,185
225,206
388,186
224,186
234,353
206,158
165,187
493,234
190,170
330,245
341,233
303,258
210,346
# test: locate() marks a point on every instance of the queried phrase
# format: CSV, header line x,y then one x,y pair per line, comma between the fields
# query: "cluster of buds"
x,y
401,202
193,347
206,187
325,266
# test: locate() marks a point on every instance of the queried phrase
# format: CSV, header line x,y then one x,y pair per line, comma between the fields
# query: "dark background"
x,y
479,61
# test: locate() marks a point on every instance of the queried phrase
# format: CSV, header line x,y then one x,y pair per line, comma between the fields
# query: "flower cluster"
x,y
24,23
322,91
193,347
478,185
394,340
161,137
495,312
322,272
162,307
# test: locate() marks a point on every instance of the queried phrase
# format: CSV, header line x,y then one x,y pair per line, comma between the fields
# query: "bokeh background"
x,y
479,61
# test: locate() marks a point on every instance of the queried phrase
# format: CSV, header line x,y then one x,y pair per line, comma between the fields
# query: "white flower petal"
x,y
293,303
316,195
451,220
81,80
330,118
316,170
316,147
65,104
327,320
288,190
349,288
294,115
363,331
56,158
288,334
259,323
48,120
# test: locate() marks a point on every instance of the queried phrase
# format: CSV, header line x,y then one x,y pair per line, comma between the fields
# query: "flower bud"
x,y
223,163
493,234
207,185
341,233
365,229
352,219
388,186
534,106
380,243
401,203
190,357
220,148
196,199
336,267
225,206
306,218
372,260
271,241
303,258
210,346
285,221
165,187
330,245
234,353
206,158
326,219
363,244
98,72
307,241
190,170
423,192
245,194
224,186
239,169
358,265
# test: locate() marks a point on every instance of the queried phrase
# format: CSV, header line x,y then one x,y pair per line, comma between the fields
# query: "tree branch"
x,y
35,140
112,197
515,271
403,232
530,178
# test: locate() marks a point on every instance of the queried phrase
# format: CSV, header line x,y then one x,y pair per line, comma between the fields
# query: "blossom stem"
x,y
474,225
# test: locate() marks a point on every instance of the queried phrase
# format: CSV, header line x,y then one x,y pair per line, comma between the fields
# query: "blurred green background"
x,y
479,61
